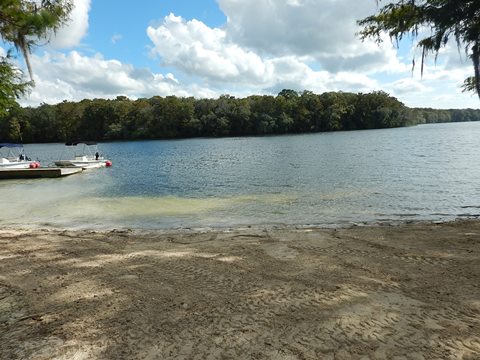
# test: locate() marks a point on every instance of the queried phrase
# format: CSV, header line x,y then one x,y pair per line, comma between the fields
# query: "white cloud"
x,y
73,32
409,85
201,51
309,32
439,87
75,77
322,30
116,38
296,44
438,94
294,3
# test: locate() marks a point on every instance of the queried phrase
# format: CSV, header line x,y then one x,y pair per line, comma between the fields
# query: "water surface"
x,y
427,172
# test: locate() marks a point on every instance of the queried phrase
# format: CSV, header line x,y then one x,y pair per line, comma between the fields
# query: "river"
x,y
426,172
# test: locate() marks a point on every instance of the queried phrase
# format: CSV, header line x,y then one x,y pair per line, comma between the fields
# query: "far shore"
x,y
407,291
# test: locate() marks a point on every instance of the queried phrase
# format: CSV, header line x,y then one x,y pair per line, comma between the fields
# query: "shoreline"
x,y
239,227
367,291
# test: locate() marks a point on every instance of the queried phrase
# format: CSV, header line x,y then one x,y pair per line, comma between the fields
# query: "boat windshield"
x,y
75,143
10,154
10,145
75,150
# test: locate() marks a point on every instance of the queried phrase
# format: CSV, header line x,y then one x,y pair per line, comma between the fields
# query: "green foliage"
x,y
445,18
432,116
172,117
25,24
14,130
11,85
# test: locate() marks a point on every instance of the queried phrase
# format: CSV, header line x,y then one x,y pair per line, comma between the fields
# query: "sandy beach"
x,y
377,292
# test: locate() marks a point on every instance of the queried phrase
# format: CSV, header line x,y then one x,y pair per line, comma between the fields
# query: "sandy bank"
x,y
403,292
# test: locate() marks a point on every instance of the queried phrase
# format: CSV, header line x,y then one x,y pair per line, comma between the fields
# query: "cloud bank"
x,y
76,29
264,47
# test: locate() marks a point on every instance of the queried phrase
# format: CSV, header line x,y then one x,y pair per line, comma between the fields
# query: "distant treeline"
x,y
431,116
176,117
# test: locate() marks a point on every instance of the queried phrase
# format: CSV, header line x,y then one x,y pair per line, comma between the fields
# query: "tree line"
x,y
181,117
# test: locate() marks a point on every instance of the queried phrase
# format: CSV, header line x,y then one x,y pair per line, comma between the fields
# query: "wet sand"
x,y
379,292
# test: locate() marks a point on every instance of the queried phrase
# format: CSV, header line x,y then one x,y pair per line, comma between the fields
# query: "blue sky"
x,y
240,47
124,37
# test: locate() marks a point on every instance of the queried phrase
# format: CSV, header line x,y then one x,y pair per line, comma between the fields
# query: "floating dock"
x,y
38,173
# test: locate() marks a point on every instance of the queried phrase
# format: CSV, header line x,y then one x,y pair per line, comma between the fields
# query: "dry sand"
x,y
380,292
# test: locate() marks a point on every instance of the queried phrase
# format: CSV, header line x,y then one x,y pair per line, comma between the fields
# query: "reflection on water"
x,y
426,172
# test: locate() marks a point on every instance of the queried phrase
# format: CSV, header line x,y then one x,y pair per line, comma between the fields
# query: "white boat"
x,y
12,156
84,155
